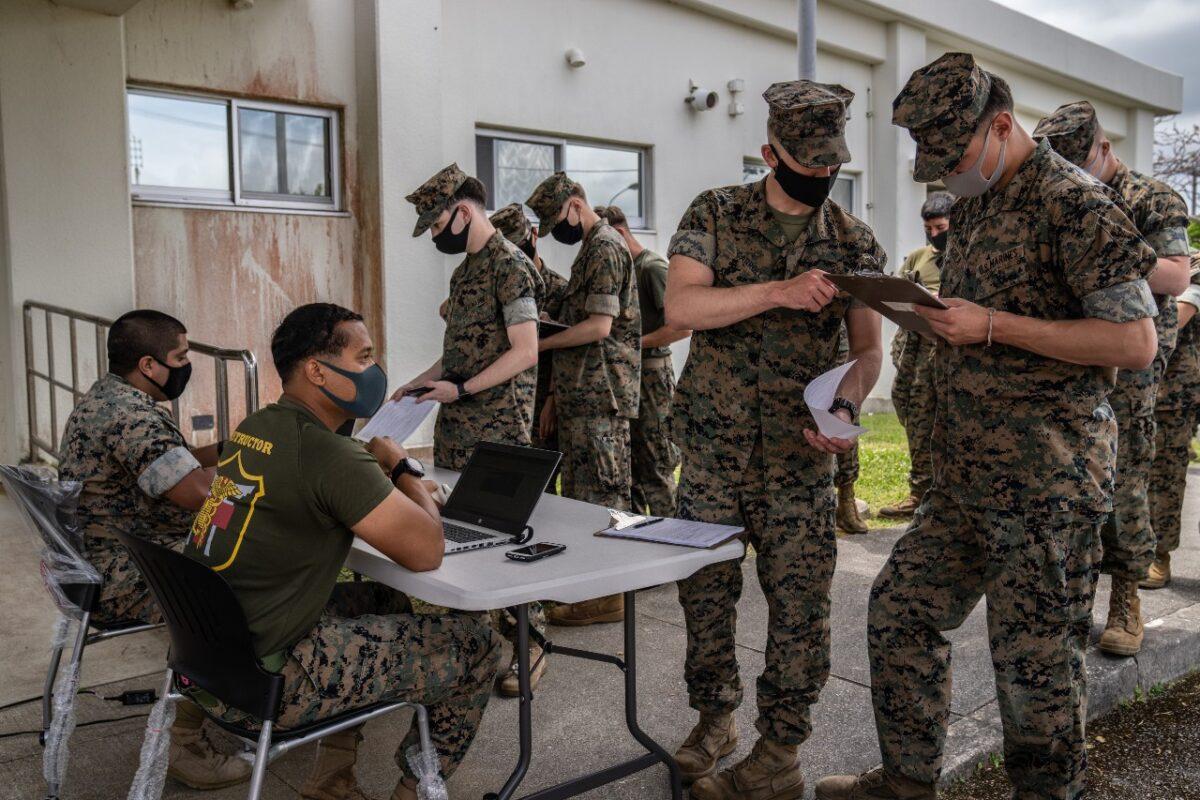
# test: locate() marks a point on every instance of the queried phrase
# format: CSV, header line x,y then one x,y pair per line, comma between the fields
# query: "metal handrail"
x,y
221,357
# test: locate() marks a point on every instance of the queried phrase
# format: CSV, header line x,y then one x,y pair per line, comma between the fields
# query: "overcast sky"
x,y
1162,33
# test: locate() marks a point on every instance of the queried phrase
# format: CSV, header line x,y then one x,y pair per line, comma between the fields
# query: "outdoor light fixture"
x,y
701,99
735,85
575,58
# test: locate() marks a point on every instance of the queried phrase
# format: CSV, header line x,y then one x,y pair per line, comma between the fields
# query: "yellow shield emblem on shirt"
x,y
221,524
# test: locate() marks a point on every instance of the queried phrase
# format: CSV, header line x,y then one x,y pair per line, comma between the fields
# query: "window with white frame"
x,y
844,192
512,165
194,149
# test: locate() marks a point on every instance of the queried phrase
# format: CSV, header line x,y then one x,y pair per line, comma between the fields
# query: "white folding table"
x,y
590,567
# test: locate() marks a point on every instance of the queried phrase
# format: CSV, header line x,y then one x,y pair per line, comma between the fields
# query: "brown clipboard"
x,y
891,296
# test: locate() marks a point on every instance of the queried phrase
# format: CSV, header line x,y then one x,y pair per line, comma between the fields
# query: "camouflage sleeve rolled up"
x,y
1165,227
515,291
152,449
604,278
1104,260
696,236
166,471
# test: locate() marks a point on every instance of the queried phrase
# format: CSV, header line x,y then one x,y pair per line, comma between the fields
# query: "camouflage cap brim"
x,y
937,153
431,198
818,151
1071,130
424,221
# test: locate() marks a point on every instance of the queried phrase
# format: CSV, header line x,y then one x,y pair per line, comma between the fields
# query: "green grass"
x,y
883,459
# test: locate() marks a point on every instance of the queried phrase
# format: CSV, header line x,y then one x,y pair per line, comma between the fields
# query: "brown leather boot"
x,y
194,761
848,519
1123,633
770,772
332,776
507,683
714,737
874,785
589,612
905,508
1160,573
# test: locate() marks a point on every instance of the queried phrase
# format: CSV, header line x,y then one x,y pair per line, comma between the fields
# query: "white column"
x,y
1140,140
896,197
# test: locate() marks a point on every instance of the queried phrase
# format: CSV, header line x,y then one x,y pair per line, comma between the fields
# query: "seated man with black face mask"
x,y
140,476
289,497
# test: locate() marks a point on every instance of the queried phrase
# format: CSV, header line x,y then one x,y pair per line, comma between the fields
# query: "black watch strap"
x,y
849,405
403,468
462,388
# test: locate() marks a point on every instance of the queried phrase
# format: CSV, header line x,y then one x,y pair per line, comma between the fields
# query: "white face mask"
x,y
971,183
1096,166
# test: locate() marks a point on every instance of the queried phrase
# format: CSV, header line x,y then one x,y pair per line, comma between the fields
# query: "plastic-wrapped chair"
x,y
211,646
48,507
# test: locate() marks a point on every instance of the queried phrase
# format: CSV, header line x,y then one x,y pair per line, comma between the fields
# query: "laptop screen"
x,y
501,486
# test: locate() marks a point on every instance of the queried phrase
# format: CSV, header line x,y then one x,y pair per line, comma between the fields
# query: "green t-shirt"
x,y
793,224
276,523
652,291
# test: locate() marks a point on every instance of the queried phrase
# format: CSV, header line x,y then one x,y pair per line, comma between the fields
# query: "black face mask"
x,y
567,233
938,240
806,189
177,380
452,243
529,248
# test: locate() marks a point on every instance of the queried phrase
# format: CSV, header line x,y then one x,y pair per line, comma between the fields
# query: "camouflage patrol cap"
x,y
809,120
548,198
512,222
941,106
432,196
1071,130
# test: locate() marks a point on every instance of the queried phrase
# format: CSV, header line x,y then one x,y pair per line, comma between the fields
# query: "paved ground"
x,y
578,714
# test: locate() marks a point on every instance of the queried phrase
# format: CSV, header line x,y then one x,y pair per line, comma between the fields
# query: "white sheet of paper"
x,y
819,396
397,419
686,533
894,306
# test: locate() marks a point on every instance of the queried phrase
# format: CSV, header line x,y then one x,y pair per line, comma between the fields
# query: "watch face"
x,y
415,467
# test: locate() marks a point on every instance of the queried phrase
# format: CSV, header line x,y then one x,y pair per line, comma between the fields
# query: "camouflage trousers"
x,y
1127,535
653,456
1168,476
791,530
124,595
504,620
595,459
369,648
1038,572
914,401
846,468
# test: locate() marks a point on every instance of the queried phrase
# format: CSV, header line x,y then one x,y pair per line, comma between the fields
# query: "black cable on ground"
x,y
12,734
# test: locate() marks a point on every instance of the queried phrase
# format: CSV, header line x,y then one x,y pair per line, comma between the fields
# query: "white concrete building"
x,y
226,161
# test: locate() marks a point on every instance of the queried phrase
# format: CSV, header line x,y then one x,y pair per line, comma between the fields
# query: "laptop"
x,y
495,496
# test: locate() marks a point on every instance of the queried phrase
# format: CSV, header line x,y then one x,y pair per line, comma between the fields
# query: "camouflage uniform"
x,y
912,391
1161,218
738,413
596,385
847,467
1177,412
490,291
127,451
654,456
1024,450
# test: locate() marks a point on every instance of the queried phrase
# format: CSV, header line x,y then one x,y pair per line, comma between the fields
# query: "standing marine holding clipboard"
x,y
747,274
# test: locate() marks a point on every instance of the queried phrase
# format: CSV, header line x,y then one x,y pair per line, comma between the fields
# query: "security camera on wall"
x,y
701,99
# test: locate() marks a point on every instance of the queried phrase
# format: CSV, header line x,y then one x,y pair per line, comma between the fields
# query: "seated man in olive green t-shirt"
x,y
288,499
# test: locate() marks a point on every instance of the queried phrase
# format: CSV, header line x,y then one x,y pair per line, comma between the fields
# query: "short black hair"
x,y
999,99
138,333
310,330
472,190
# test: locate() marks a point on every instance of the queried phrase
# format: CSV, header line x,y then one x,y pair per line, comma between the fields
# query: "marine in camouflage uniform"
x,y
846,468
1161,218
1024,452
739,412
127,451
1176,413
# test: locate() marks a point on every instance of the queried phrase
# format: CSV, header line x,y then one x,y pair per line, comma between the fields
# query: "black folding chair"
x,y
48,508
212,647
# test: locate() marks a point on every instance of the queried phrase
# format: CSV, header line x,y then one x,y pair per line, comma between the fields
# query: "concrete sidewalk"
x,y
578,713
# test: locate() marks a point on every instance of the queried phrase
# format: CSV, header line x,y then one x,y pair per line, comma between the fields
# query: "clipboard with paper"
x,y
891,296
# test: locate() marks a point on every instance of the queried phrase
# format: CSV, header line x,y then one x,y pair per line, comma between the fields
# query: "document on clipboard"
x,y
891,296
679,532
397,419
547,327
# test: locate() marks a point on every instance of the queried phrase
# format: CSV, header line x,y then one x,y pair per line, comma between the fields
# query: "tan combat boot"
x,y
507,683
848,519
1123,633
714,737
589,612
905,508
1159,574
194,761
770,772
874,785
332,776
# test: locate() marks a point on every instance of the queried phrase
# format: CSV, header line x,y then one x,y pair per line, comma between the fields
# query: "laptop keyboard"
x,y
460,535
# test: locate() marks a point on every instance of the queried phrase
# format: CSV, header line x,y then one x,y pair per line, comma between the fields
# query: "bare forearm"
x,y
1186,312
1170,275
207,455
513,362
861,378
413,489
589,331
702,308
664,336
1088,342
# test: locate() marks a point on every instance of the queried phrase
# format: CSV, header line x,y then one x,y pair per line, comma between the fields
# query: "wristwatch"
x,y
407,466
849,405
462,388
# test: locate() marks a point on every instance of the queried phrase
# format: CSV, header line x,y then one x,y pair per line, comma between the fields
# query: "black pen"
x,y
647,522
